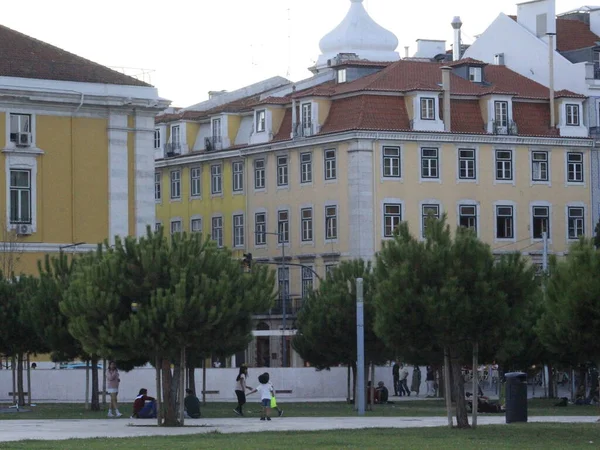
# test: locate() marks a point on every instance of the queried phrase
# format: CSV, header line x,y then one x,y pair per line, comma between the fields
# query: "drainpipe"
x,y
551,78
446,88
294,118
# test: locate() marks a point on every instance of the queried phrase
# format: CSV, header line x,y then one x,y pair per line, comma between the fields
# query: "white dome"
x,y
359,34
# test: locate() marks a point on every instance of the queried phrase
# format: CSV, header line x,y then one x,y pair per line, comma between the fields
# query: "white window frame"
x,y
546,205
19,190
307,225
157,226
260,239
329,267
158,186
283,226
216,179
475,74
330,164
217,224
216,129
306,169
463,205
176,226
196,181
510,162
306,116
466,160
238,230
501,110
21,128
387,160
157,138
261,121
394,219
428,108
283,172
237,174
176,136
175,178
342,75
582,219
505,204
580,164
331,222
426,204
21,161
308,281
540,154
572,115
194,221
431,168
260,179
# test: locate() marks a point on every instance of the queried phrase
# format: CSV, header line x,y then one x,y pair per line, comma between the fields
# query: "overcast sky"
x,y
193,46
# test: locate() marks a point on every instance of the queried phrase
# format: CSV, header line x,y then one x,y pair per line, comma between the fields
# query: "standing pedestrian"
x,y
266,394
404,381
415,384
240,389
396,375
430,379
112,388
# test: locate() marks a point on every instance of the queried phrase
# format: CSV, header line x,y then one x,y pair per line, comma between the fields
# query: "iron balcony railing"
x,y
172,149
509,128
303,129
213,143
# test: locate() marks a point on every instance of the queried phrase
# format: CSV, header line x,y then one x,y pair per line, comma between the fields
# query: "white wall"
x,y
64,385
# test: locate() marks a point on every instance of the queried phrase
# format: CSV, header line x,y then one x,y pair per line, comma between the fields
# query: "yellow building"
x,y
77,151
330,165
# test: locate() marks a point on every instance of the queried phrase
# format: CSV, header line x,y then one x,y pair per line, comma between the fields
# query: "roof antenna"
x,y
289,66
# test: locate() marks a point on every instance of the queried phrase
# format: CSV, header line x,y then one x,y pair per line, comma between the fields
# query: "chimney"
x,y
294,118
551,78
406,51
456,24
446,87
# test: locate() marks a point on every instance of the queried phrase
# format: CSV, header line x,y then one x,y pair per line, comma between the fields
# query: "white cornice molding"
x,y
43,247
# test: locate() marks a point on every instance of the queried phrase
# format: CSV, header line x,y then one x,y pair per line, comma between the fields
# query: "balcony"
x,y
213,143
502,128
172,149
303,129
292,306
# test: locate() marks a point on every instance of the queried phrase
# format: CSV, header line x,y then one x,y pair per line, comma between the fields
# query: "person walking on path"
x,y
112,388
415,384
430,379
266,394
404,381
240,389
396,375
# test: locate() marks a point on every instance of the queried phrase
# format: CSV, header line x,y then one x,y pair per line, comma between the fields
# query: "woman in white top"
x,y
240,389
266,392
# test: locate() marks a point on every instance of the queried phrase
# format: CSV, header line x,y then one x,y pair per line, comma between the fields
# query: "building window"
x,y
505,222
157,138
283,227
427,108
157,186
467,216
539,166
392,216
307,119
175,137
331,222
541,221
216,130
261,122
157,227
501,114
238,230
428,211
391,162
572,115
504,165
175,226
259,174
307,224
260,228
216,186
196,226
341,76
429,163
575,167
20,196
238,176
330,165
475,74
575,222
283,275
306,167
195,185
175,184
19,123
307,282
329,268
282,171
217,231
466,164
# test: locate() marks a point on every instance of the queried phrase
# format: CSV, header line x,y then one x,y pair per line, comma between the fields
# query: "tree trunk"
x,y
182,387
475,396
447,389
462,418
95,403
157,368
169,407
87,383
203,380
192,379
348,396
28,380
175,385
20,390
354,399
13,367
104,383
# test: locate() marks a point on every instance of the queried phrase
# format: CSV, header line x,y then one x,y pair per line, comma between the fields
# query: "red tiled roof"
x,y
464,61
240,105
285,130
533,119
25,57
466,116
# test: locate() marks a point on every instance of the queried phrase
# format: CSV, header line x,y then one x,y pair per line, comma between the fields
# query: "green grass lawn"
x,y
515,436
537,407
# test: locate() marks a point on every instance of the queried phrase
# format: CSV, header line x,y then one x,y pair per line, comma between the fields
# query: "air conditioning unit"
x,y
23,139
23,229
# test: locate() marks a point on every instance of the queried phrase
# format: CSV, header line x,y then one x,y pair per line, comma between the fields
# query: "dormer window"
x,y
341,76
475,74
261,121
572,115
427,108
501,114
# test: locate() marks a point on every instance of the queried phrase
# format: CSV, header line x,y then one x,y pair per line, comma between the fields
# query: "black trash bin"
x,y
516,397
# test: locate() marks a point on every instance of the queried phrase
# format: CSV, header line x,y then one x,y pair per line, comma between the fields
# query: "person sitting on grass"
x,y
144,407
192,405
266,393
381,393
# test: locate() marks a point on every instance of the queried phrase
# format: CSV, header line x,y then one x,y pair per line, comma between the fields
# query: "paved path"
x,y
15,430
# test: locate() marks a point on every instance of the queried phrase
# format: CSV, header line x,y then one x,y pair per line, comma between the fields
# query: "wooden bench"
x,y
283,391
211,392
